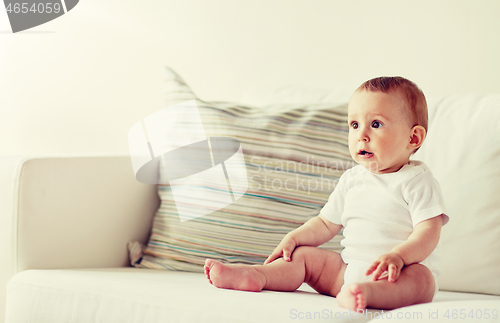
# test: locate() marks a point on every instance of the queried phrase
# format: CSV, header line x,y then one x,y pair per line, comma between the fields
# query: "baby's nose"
x,y
363,136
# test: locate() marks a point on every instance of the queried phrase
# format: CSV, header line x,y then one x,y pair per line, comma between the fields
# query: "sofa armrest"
x,y
70,212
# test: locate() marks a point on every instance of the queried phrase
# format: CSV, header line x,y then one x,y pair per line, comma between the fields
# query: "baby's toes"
x,y
360,301
206,268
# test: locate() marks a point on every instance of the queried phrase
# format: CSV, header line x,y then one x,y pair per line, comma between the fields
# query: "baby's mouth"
x,y
365,153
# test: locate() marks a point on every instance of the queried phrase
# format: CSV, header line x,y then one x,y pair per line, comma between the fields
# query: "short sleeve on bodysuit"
x,y
424,198
333,209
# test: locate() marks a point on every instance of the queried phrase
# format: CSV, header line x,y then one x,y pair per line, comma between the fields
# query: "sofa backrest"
x,y
463,151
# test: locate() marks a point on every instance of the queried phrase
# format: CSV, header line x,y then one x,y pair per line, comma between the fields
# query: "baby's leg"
x,y
415,285
322,269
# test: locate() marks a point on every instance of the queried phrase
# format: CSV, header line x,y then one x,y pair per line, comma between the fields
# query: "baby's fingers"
x,y
372,268
273,256
380,270
393,273
286,255
287,249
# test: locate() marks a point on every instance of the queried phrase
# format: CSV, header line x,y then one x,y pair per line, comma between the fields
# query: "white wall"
x,y
76,84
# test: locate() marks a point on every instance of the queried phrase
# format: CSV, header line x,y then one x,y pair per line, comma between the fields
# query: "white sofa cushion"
x,y
139,295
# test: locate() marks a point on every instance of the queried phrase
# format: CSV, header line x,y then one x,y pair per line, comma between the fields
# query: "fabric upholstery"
x,y
140,295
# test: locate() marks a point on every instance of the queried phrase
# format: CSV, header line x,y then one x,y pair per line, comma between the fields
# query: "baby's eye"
x,y
354,125
376,124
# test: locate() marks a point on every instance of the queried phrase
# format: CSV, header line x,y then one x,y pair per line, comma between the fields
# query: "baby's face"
x,y
379,134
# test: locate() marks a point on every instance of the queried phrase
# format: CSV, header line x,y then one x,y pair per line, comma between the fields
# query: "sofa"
x,y
66,222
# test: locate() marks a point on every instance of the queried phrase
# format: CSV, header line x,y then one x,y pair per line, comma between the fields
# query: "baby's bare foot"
x,y
353,297
240,277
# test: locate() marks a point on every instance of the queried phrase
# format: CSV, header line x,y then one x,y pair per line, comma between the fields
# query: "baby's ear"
x,y
417,137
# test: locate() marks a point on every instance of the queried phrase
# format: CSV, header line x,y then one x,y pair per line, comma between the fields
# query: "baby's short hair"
x,y
416,105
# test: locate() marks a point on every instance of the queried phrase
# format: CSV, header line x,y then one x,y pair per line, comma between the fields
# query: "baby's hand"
x,y
391,262
284,249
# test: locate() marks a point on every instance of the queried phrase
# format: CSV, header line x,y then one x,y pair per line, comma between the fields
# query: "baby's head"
x,y
387,123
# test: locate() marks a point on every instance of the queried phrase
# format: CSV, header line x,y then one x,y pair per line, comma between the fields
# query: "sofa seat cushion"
x,y
146,295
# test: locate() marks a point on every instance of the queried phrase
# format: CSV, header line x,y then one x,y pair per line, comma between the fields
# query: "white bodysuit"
x,y
379,211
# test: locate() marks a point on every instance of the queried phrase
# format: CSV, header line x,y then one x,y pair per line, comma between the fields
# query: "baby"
x,y
391,210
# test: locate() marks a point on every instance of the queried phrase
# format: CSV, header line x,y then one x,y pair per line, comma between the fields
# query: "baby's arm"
x,y
314,232
420,244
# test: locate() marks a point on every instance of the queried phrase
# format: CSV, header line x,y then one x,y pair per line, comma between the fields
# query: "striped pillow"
x,y
294,156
